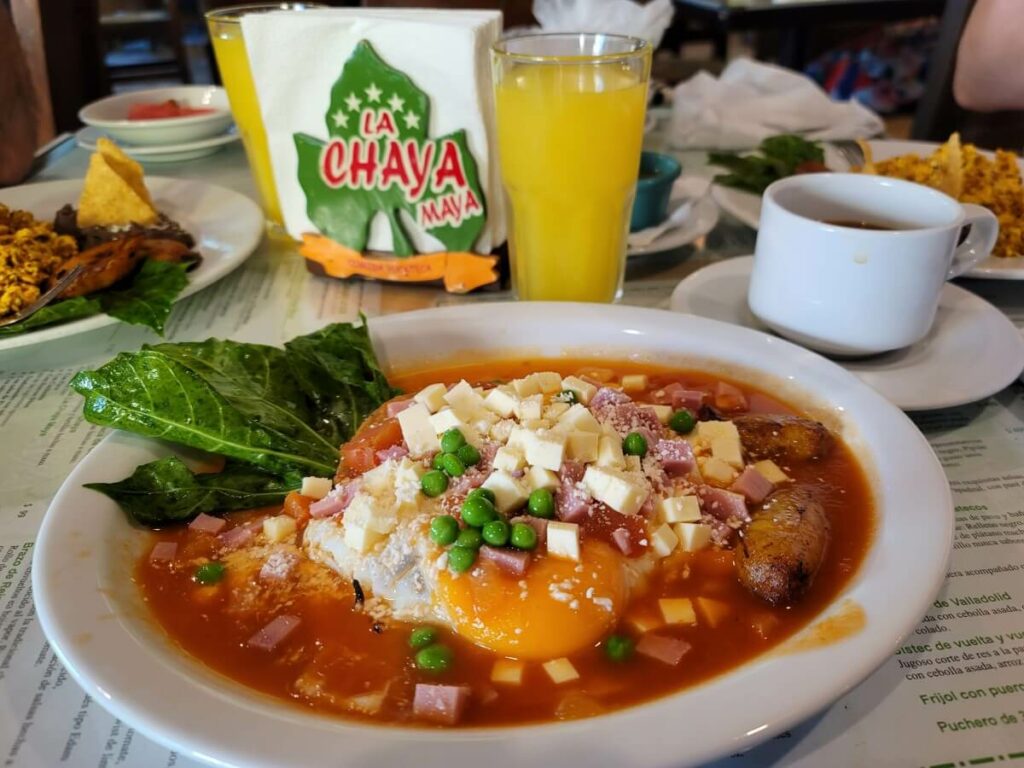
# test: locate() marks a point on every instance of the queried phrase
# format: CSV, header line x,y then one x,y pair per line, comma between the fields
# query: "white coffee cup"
x,y
847,290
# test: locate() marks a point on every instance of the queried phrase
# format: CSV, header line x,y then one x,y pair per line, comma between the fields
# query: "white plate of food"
x,y
162,153
746,206
160,116
225,225
343,681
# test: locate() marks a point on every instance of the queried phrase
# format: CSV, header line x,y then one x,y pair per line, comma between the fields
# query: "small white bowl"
x,y
111,115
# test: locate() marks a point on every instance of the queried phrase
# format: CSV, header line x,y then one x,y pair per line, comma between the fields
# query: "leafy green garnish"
x,y
146,300
779,157
272,412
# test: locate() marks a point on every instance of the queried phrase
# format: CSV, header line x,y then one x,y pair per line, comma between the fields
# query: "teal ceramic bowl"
x,y
653,189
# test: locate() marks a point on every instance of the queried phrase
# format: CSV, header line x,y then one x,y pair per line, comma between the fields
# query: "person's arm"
x,y
17,105
989,74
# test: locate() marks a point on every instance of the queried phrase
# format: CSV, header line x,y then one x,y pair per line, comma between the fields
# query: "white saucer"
x,y
163,153
972,351
702,218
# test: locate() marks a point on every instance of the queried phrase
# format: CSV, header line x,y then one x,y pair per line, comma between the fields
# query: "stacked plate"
x,y
205,127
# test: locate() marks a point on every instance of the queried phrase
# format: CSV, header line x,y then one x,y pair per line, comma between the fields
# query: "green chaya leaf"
x,y
779,157
344,213
58,312
166,491
149,298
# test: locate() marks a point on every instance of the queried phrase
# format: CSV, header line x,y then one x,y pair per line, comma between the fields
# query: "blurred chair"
x,y
29,25
142,40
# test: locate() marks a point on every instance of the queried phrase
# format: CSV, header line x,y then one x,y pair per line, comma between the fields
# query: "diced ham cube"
x,y
573,504
668,650
676,457
205,523
336,501
513,562
630,417
395,407
443,704
753,485
539,524
678,396
473,478
725,505
163,552
571,471
239,536
606,396
393,452
275,633
729,398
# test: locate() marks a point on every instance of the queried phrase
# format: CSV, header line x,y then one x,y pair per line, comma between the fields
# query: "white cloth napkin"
x,y
620,17
750,101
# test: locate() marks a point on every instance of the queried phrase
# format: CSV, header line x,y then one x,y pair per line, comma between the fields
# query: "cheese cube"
x,y
583,446
509,493
771,472
692,536
509,459
538,477
709,430
717,472
360,539
642,622
432,396
564,540
502,430
553,411
549,382
584,389
316,487
634,464
517,438
465,400
713,611
609,452
279,528
417,431
446,419
663,412
507,671
679,509
536,424
530,407
579,419
526,386
634,382
727,449
501,401
677,610
561,671
663,540
544,449
613,488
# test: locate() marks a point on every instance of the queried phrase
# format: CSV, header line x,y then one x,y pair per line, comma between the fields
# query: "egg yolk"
x,y
558,607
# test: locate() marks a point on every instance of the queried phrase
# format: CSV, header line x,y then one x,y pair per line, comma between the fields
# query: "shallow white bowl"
x,y
111,115
94,618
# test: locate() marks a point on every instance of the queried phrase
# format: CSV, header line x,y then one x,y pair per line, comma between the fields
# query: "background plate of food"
x,y
143,244
87,138
529,557
991,179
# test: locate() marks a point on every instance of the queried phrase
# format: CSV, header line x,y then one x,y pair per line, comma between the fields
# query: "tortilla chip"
x,y
950,167
108,200
125,167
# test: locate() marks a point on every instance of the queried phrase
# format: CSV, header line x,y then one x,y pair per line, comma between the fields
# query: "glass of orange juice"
x,y
225,27
570,115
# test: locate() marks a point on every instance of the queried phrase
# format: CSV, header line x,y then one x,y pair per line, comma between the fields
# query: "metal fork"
x,y
43,300
850,151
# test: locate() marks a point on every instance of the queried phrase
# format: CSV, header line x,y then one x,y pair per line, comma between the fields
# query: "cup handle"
x,y
980,240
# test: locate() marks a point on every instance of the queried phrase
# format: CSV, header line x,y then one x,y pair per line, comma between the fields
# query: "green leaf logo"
x,y
379,159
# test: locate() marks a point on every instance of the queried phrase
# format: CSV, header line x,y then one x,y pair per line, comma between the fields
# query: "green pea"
x,y
433,483
682,421
461,559
470,538
434,658
570,396
444,530
541,503
477,511
635,444
422,637
436,463
209,573
452,465
468,455
495,533
452,440
618,647
523,536
487,493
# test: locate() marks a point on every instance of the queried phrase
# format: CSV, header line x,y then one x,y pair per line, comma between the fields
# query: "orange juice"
x,y
569,135
233,63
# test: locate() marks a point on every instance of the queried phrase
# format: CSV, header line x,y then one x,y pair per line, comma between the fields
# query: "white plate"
x,y
226,225
95,620
972,351
111,115
746,206
163,153
701,220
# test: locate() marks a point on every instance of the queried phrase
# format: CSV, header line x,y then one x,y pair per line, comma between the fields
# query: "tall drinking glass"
x,y
225,26
570,111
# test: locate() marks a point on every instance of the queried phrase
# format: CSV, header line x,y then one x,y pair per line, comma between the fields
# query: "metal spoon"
x,y
43,300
